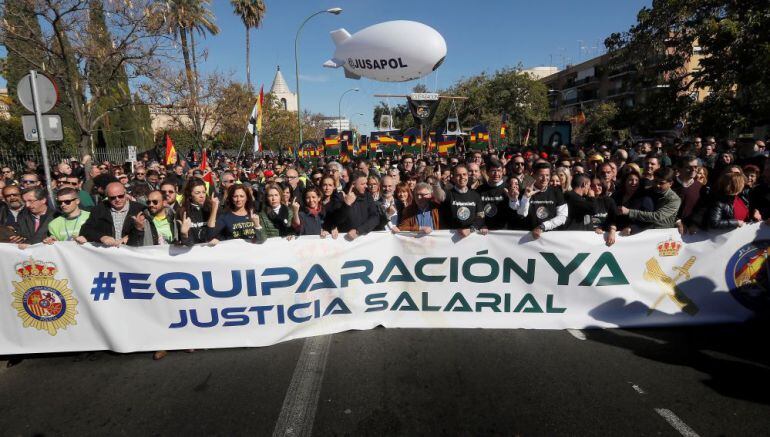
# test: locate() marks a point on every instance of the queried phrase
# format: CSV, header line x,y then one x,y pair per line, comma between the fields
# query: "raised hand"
x,y
138,221
350,197
185,224
255,219
530,190
215,203
295,206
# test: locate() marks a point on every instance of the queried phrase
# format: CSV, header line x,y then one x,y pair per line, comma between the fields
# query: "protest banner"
x,y
65,297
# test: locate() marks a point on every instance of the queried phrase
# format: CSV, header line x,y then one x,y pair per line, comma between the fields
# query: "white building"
x,y
538,73
335,123
282,93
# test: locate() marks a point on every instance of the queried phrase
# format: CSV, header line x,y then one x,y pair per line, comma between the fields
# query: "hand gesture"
x,y
392,209
139,221
295,206
185,224
215,203
530,190
350,197
255,219
513,194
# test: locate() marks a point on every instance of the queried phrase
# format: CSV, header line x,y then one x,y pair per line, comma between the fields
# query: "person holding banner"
x,y
67,226
194,213
543,207
462,208
112,222
240,221
275,216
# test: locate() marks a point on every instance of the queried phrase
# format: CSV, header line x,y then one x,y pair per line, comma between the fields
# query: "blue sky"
x,y
480,36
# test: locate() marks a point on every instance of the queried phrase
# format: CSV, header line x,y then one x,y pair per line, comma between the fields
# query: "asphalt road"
x,y
689,381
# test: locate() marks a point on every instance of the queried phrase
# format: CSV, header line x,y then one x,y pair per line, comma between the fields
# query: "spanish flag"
x,y
171,157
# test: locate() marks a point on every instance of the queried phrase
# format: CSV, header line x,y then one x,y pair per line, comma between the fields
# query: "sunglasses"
x,y
68,183
168,192
154,202
66,201
28,181
228,181
119,196
140,174
13,195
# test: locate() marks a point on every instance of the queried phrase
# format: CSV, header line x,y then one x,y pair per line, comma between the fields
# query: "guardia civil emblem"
x,y
42,301
668,284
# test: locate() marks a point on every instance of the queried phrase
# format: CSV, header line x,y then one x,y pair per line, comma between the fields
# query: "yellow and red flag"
x,y
205,168
171,156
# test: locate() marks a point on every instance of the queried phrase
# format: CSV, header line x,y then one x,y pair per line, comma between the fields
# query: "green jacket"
x,y
664,215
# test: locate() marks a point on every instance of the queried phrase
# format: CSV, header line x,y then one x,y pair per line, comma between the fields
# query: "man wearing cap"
x,y
543,207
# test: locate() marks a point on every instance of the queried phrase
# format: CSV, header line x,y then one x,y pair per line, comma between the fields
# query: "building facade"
x,y
283,95
603,79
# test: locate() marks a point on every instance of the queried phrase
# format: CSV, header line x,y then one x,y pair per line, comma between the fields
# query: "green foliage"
x,y
598,126
507,91
730,40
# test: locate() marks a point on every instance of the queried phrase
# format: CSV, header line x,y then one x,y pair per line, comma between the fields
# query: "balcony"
x,y
592,80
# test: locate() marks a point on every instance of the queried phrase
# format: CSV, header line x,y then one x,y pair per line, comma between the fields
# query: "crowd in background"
x,y
612,190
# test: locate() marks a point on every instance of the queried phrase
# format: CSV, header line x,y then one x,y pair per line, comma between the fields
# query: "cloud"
x,y
314,78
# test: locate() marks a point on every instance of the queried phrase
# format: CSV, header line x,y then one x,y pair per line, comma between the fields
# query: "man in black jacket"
x,y
112,222
359,214
33,220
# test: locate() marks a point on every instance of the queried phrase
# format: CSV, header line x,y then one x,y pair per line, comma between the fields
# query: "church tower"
x,y
283,96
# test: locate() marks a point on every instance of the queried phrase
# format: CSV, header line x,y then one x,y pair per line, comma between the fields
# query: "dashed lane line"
x,y
676,422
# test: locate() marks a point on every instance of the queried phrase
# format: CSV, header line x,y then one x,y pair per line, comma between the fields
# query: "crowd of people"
x,y
610,190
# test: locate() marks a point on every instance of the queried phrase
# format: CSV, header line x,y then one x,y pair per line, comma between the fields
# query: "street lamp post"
x,y
339,111
335,11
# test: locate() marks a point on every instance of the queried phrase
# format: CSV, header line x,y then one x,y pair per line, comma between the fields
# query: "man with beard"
x,y
462,208
9,211
494,197
474,176
517,168
157,225
666,203
543,207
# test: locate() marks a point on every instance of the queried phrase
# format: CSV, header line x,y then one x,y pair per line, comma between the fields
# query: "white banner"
x,y
66,297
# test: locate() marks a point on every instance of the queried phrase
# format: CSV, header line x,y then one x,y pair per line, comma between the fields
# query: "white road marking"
x,y
676,422
577,334
638,389
301,401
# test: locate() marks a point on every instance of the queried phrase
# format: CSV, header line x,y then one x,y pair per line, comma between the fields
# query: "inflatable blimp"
x,y
394,51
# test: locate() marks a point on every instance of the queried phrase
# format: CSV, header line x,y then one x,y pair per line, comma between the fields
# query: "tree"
x,y
727,41
64,52
251,12
119,128
183,18
598,126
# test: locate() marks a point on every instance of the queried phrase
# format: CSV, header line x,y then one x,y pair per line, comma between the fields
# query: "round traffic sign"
x,y
47,97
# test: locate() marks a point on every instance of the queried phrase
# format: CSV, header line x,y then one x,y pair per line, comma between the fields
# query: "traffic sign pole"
x,y
41,135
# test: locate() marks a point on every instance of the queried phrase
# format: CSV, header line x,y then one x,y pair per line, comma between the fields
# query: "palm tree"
x,y
251,12
183,18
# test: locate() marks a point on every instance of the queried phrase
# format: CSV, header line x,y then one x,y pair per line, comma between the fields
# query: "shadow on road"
x,y
733,355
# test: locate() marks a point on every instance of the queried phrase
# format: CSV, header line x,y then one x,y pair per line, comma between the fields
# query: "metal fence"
x,y
16,159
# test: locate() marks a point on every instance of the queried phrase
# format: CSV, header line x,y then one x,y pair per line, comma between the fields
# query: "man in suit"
x,y
34,219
